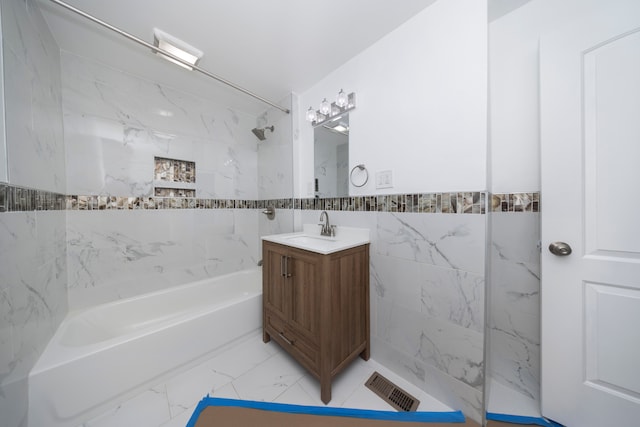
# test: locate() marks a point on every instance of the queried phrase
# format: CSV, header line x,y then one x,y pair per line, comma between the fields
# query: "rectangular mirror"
x,y
331,158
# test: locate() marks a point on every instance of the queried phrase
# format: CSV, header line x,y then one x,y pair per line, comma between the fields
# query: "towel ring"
x,y
362,168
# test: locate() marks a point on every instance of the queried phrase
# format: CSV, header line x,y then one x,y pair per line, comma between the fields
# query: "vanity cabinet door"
x,y
304,288
274,289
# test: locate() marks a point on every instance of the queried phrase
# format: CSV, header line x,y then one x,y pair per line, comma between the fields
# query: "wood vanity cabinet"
x,y
317,307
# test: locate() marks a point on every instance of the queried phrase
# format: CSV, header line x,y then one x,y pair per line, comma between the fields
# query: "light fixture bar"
x,y
319,118
168,54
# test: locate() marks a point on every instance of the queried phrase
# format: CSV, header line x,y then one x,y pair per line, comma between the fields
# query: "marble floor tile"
x,y
180,420
343,386
148,409
226,392
242,357
253,370
269,380
187,389
298,395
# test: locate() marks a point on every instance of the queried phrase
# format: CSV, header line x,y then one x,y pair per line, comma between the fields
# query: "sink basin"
x,y
306,239
311,240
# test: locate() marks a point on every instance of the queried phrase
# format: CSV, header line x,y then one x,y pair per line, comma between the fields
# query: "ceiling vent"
x,y
176,47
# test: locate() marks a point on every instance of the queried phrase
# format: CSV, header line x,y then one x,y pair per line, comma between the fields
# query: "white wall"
x,y
513,98
421,104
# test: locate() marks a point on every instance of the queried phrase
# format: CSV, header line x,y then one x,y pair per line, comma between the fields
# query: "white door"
x,y
590,199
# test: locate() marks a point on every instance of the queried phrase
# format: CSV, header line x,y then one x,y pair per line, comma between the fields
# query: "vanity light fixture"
x,y
342,100
176,47
325,107
331,111
311,115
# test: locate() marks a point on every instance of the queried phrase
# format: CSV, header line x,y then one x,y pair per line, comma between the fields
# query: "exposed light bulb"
x,y
325,107
342,100
311,115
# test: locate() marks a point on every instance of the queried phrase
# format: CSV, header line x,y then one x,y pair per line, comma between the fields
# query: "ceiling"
x,y
269,47
498,8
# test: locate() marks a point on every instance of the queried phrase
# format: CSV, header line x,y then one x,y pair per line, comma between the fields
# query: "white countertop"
x,y
310,239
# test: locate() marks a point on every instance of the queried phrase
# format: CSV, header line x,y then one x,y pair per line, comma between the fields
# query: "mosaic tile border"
x,y
98,203
515,202
455,203
20,199
17,199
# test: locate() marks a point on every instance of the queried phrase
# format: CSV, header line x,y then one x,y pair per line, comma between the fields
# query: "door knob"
x,y
560,248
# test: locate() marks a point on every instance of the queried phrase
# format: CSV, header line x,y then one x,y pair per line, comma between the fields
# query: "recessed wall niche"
x,y
174,178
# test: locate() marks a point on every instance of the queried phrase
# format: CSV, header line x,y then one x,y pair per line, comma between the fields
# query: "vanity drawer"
x,y
294,343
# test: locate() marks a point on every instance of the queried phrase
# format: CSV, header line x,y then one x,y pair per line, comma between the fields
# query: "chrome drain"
x,y
392,394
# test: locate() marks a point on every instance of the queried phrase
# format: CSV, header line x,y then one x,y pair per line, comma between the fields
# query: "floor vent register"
x,y
392,394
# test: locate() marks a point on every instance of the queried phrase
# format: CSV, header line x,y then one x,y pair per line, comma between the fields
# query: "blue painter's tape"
x,y
519,419
425,417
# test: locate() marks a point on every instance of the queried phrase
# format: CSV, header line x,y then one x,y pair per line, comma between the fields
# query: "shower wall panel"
x,y
34,134
115,124
117,254
275,165
33,272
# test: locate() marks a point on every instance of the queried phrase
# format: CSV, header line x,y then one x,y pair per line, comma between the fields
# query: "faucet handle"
x,y
333,230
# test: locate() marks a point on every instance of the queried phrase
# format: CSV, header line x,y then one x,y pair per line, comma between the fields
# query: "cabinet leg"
x,y
325,390
366,353
265,337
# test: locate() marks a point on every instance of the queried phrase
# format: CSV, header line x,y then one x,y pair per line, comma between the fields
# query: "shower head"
x,y
259,132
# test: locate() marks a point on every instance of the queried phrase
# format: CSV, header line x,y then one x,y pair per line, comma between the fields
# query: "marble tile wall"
x,y
115,125
275,153
275,168
33,273
514,301
427,299
34,132
114,254
33,299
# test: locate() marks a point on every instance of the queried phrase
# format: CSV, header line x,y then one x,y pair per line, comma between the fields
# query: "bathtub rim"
x,y
56,354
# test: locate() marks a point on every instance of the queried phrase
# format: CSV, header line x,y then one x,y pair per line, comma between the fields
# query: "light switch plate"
x,y
384,179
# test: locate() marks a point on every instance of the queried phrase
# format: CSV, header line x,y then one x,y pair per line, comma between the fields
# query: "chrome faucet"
x,y
327,229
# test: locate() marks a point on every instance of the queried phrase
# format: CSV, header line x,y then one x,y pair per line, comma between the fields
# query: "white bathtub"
x,y
99,355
